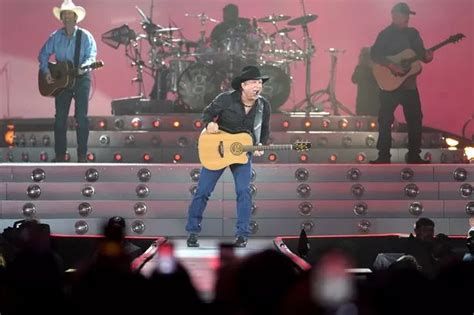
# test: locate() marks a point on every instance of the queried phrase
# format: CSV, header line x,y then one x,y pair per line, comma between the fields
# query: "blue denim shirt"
x,y
63,47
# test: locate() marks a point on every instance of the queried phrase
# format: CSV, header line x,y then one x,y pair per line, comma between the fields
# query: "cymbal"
x,y
283,31
305,19
182,41
168,29
274,18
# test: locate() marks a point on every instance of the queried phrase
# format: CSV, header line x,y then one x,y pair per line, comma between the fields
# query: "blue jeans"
x,y
80,93
207,182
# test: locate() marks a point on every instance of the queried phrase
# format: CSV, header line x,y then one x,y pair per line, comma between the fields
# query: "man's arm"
x,y
213,110
377,51
265,131
418,46
46,51
90,49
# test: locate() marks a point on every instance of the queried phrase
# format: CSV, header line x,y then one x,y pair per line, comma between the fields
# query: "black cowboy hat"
x,y
248,73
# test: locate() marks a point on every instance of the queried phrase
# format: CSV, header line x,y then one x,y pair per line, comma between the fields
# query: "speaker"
x,y
138,105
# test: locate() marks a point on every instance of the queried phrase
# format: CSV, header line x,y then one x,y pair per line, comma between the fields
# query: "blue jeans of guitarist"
x,y
80,93
207,182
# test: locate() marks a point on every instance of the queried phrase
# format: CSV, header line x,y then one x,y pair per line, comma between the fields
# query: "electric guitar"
x,y
218,150
64,75
408,61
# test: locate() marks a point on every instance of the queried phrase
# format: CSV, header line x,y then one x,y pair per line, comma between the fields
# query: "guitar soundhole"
x,y
236,148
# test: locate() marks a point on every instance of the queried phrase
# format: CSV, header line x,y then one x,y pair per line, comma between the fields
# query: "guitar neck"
x,y
268,147
435,47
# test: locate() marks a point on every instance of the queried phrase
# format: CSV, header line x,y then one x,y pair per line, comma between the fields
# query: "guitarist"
x,y
242,109
70,43
392,40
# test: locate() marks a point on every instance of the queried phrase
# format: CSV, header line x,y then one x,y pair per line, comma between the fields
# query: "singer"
x,y
241,109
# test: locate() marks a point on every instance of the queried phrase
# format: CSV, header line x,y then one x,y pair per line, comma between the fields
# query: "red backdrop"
x,y
445,84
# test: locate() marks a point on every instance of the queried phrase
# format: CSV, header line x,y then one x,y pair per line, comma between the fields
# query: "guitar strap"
x,y
77,52
257,123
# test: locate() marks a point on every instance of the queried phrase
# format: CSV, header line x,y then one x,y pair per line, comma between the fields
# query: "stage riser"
x,y
329,207
190,155
158,139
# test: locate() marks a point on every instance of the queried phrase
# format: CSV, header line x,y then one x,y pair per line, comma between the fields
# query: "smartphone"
x,y
166,259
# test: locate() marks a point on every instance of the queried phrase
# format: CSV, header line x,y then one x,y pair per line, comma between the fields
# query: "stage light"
x,y
90,157
469,152
465,190
364,226
176,124
129,140
104,139
140,208
92,175
88,191
25,157
370,141
253,190
359,124
102,124
84,209
253,209
303,190
119,123
343,123
307,124
156,140
357,190
361,157
182,142
136,123
415,208
10,157
460,174
407,174
119,35
322,141
412,190
373,125
333,158
304,158
138,227
29,210
118,157
285,124
305,208
195,174
46,140
197,124
33,191
38,175
353,174
142,191
81,227
147,158
177,157
43,156
144,175
272,157
470,208
253,175
302,174
361,209
156,123
307,226
32,141
253,226
193,190
451,142
325,123
9,135
346,142
67,157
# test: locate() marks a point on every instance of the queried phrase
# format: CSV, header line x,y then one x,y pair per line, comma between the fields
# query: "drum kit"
x,y
197,71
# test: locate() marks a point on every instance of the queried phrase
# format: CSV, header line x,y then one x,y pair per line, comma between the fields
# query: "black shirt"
x,y
393,40
229,112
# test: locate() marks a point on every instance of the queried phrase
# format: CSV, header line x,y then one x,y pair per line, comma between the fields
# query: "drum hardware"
x,y
274,18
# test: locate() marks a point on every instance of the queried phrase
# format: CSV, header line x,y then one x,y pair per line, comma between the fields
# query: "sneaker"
x,y
380,160
417,160
240,241
192,240
59,159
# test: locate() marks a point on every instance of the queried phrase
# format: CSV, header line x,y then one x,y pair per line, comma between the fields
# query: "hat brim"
x,y
80,12
238,80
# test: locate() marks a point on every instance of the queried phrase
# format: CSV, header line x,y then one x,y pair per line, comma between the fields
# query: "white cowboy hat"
x,y
68,5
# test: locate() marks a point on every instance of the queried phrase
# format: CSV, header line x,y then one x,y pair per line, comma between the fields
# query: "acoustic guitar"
x,y
409,62
64,75
219,150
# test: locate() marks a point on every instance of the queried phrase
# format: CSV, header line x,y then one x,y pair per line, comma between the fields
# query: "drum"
x,y
277,89
176,68
198,85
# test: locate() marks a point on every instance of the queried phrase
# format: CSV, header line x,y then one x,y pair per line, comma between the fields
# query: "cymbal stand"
x,y
330,90
137,61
